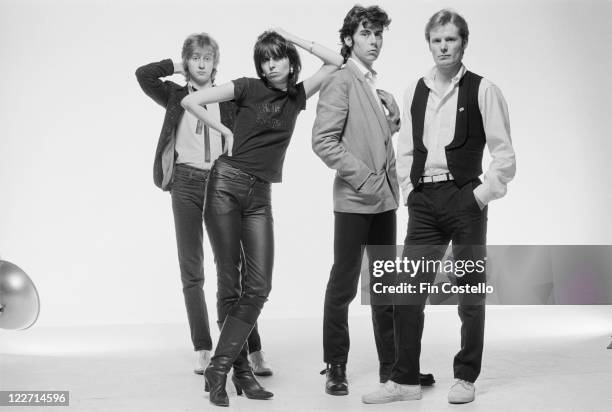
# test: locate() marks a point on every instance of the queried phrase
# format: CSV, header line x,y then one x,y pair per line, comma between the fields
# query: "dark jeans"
x,y
437,214
351,232
238,217
188,195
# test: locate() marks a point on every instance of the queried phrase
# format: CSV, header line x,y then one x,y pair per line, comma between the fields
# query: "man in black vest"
x,y
449,117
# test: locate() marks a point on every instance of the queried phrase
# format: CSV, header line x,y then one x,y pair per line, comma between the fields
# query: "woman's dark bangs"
x,y
272,49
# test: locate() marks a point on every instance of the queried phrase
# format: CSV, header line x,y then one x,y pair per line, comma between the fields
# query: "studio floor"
x,y
536,359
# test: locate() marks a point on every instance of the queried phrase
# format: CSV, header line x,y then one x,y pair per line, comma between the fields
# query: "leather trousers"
x,y
238,218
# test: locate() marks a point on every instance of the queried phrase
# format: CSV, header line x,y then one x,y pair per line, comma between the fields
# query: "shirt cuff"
x,y
480,194
406,191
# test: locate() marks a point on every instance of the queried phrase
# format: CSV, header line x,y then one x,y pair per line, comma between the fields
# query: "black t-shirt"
x,y
264,124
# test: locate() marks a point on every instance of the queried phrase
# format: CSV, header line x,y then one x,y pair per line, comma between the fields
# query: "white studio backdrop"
x,y
78,208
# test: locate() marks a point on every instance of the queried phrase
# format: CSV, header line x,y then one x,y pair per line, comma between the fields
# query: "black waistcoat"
x,y
464,152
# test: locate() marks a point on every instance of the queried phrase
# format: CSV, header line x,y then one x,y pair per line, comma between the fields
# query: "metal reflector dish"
x,y
19,302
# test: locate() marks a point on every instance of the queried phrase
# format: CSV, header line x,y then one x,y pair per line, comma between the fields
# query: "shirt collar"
x,y
366,72
431,75
192,88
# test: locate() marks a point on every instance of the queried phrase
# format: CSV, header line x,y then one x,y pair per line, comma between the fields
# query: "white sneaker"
x,y
392,392
461,392
258,364
202,361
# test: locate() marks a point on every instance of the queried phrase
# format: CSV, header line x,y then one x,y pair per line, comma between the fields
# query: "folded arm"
x,y
194,104
195,101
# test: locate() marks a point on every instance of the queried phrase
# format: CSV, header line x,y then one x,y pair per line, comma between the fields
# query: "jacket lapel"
x,y
380,115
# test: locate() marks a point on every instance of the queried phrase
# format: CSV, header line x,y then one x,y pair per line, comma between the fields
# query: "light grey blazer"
x,y
351,135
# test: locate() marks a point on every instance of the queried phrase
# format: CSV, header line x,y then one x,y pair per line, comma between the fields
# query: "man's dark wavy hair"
x,y
272,45
370,16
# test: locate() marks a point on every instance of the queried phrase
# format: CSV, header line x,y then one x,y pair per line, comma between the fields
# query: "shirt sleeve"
x,y
328,129
405,146
496,122
301,96
241,89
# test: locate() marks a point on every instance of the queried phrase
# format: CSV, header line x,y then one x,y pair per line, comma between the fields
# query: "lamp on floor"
x,y
19,302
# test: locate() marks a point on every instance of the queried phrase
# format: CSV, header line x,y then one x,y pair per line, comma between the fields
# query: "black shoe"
x,y
336,383
244,379
215,380
245,382
426,379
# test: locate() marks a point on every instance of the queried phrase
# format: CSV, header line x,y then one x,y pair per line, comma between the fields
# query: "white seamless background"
x,y
78,208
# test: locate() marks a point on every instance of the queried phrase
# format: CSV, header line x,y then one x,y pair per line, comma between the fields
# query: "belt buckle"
x,y
444,177
427,179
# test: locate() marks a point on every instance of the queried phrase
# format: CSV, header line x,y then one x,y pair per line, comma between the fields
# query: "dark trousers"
x,y
351,232
188,196
238,218
438,213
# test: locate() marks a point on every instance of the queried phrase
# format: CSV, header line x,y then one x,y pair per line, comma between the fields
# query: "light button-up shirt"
x,y
370,76
439,131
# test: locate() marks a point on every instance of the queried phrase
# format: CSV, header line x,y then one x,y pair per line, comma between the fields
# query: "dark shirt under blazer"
x,y
169,95
351,136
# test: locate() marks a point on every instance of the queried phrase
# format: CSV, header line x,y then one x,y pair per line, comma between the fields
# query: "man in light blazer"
x,y
352,135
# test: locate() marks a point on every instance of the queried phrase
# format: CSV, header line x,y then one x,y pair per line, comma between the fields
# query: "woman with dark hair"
x,y
185,153
238,212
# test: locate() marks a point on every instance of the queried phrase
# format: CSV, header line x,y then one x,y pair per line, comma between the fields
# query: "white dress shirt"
x,y
190,139
370,76
439,131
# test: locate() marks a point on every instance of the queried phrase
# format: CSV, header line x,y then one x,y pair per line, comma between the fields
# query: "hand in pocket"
x,y
371,187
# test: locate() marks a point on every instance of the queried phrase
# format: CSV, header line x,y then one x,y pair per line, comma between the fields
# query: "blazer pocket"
x,y
351,176
366,187
371,190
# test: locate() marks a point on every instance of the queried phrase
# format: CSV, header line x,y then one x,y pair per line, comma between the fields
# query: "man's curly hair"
x,y
370,16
